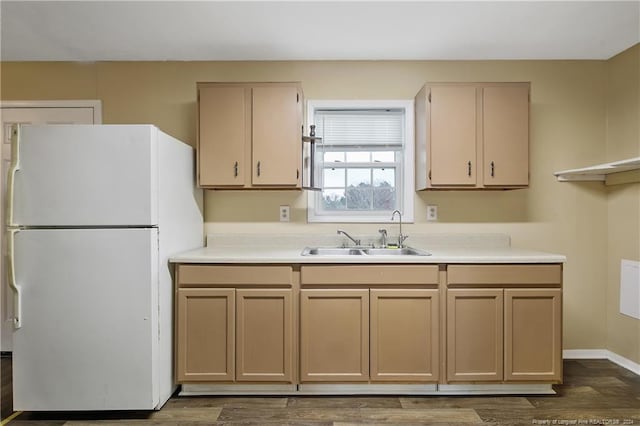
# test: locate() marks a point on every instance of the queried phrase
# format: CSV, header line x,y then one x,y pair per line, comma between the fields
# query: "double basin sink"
x,y
362,251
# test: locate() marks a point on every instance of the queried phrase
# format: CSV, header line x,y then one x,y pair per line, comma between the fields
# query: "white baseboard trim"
x,y
624,362
602,354
585,354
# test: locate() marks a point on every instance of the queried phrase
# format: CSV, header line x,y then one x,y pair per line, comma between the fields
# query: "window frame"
x,y
408,165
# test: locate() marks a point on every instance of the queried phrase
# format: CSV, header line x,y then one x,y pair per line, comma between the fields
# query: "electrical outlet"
x,y
432,213
285,213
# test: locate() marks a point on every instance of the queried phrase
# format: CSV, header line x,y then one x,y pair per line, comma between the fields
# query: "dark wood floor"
x,y
594,392
6,400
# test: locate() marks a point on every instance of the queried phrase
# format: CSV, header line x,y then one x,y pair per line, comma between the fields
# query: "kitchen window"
x,y
365,160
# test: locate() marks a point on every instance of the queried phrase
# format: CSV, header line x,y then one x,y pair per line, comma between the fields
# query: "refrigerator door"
x,y
85,175
89,335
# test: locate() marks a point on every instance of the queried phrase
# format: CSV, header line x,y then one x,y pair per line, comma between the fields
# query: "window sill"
x,y
357,219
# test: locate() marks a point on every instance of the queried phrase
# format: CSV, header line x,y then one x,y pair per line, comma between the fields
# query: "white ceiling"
x,y
319,30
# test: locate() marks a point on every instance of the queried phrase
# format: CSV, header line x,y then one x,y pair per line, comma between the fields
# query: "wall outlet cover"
x,y
432,213
285,213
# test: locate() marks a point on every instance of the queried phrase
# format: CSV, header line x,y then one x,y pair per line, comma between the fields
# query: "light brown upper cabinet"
x,y
472,136
249,135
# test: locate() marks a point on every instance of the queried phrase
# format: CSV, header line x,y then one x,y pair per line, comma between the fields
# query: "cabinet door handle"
x,y
469,169
13,168
493,171
297,174
235,169
258,168
17,305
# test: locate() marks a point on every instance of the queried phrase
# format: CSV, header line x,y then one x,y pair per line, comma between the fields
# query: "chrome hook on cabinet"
x,y
310,170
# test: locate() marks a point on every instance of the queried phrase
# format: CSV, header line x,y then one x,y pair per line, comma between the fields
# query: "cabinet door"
x,y
334,335
506,135
263,335
453,135
533,328
205,335
277,136
224,119
474,335
404,335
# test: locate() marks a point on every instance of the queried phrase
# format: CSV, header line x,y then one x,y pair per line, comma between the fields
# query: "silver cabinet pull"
x,y
258,168
235,169
469,169
493,171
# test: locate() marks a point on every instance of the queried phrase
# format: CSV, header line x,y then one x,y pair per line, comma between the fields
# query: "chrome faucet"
x,y
401,237
356,242
383,238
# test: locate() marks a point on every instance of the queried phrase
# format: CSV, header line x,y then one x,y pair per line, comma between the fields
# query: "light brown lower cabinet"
x,y
334,335
205,334
263,335
369,324
377,335
404,335
227,335
511,335
533,334
474,335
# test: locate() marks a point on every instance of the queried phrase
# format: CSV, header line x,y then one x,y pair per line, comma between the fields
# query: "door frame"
x,y
96,106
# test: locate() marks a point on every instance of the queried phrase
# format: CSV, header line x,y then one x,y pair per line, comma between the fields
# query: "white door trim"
x,y
96,104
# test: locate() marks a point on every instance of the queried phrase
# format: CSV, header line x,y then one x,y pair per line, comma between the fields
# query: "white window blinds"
x,y
378,128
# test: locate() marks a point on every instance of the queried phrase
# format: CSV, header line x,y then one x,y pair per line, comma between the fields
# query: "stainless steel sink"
x,y
404,251
362,251
332,251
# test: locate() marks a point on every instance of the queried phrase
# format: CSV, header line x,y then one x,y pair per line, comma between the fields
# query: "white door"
x,y
83,175
89,319
38,112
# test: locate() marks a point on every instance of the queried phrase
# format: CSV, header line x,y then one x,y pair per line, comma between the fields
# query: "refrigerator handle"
x,y
11,272
13,168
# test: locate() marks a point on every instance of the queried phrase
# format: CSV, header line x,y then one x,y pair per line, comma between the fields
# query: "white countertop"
x,y
279,255
288,249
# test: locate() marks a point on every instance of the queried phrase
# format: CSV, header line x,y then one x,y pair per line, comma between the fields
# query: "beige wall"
x,y
623,201
568,130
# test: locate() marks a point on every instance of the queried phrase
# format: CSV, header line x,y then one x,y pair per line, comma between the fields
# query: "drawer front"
x,y
505,275
369,274
208,275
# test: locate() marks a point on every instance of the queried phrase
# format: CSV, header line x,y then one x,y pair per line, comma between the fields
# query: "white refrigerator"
x,y
94,212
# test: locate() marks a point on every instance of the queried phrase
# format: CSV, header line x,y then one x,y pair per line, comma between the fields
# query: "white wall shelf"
x,y
599,172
